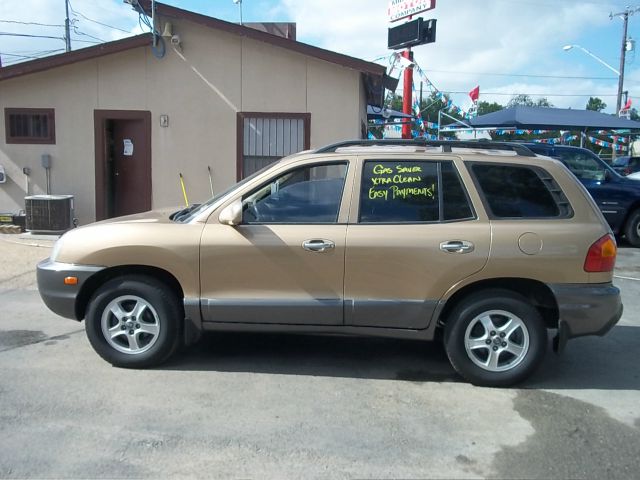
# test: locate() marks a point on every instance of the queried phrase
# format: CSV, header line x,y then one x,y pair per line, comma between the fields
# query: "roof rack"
x,y
446,145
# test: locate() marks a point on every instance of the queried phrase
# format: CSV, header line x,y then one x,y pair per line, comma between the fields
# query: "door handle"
x,y
318,245
457,246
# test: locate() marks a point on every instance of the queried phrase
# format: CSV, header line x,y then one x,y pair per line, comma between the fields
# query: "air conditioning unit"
x,y
50,214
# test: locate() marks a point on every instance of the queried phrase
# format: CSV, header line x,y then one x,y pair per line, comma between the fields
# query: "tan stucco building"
x,y
120,124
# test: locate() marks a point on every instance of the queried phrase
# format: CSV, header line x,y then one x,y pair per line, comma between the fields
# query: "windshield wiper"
x,y
181,214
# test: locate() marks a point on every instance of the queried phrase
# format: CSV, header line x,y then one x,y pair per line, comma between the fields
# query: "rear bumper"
x,y
57,296
586,309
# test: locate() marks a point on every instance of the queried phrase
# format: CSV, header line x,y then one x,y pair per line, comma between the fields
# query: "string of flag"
x,y
443,97
605,144
504,131
553,141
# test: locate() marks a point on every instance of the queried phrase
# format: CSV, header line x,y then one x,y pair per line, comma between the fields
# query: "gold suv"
x,y
482,245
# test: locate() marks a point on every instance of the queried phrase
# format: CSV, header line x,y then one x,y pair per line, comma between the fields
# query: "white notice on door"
x,y
128,147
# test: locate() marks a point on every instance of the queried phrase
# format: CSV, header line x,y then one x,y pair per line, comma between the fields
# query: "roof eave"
x,y
67,58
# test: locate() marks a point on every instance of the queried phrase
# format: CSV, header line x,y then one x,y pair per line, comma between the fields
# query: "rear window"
x,y
511,191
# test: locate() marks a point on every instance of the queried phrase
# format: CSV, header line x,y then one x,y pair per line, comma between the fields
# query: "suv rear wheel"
x,y
495,338
134,321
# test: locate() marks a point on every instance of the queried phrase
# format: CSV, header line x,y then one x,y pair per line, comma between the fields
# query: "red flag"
x,y
475,93
627,105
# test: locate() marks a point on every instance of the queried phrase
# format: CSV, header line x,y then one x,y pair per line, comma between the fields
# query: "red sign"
x,y
399,9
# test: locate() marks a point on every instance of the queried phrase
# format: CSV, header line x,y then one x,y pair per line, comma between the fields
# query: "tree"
x,y
521,99
486,107
543,102
596,104
527,101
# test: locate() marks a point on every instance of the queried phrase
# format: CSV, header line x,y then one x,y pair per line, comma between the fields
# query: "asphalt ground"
x,y
284,406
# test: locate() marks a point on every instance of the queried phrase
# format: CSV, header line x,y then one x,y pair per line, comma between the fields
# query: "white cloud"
x,y
84,31
474,37
498,36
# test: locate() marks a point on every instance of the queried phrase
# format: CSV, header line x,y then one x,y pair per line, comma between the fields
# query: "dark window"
x,y
30,125
305,195
455,203
399,192
264,138
516,192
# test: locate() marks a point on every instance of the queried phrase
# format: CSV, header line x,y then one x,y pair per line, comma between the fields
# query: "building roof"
x,y
546,118
374,71
67,58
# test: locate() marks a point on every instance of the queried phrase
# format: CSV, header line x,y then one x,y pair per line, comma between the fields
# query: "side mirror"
x,y
231,214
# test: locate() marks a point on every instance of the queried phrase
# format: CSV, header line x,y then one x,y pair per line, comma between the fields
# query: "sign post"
x,y
399,9
407,94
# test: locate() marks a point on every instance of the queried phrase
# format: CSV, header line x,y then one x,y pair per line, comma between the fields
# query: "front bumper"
x,y
586,309
57,296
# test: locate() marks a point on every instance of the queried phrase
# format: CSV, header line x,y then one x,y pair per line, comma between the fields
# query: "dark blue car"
x,y
617,197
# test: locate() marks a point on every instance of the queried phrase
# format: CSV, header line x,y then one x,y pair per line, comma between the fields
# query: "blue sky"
x,y
505,46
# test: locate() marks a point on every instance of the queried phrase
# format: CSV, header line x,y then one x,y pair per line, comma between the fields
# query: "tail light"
x,y
601,256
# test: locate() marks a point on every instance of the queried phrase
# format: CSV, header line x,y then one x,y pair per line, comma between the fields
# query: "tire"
x,y
514,328
632,229
134,322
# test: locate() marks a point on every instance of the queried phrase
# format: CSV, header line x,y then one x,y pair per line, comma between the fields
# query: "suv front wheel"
x,y
632,229
134,321
495,338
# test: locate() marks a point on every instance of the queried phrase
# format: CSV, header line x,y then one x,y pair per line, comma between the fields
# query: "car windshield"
x,y
585,166
189,213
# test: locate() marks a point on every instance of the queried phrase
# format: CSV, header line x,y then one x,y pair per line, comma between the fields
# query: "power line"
x,y
87,41
545,94
34,56
500,74
31,23
400,91
17,55
78,32
9,34
530,75
77,13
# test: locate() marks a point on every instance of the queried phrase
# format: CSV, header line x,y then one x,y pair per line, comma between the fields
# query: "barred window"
x,y
30,125
264,138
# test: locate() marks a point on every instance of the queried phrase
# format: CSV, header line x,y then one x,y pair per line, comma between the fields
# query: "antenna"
x,y
239,3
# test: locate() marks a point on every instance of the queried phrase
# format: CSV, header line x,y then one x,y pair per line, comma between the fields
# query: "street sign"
x,y
399,9
405,35
413,33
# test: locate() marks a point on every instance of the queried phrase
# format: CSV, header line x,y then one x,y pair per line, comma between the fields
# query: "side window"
x,y
515,192
395,192
305,195
583,166
455,203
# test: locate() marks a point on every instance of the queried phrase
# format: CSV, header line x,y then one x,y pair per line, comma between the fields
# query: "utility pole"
x,y
407,93
623,50
67,33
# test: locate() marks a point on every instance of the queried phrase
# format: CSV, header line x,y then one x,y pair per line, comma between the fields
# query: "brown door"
x,y
123,163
